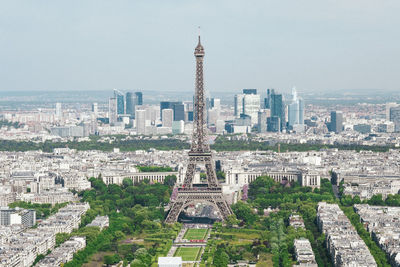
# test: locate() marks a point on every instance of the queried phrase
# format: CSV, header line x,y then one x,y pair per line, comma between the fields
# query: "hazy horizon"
x,y
317,46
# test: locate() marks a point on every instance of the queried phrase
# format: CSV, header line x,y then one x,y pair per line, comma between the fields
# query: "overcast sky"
x,y
317,45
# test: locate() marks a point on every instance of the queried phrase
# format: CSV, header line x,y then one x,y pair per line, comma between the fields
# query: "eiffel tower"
x,y
199,153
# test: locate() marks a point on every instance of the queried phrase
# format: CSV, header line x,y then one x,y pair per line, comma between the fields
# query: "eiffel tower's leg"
x,y
211,175
223,207
188,182
174,212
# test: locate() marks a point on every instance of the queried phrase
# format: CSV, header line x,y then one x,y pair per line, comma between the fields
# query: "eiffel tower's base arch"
x,y
187,197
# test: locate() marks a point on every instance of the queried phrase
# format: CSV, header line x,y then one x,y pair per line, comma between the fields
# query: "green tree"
x,y
221,258
170,180
243,212
127,182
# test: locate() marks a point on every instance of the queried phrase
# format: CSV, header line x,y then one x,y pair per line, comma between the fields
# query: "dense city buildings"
x,y
342,241
255,177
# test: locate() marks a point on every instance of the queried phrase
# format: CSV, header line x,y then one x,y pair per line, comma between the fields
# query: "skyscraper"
x,y
140,118
336,124
250,91
112,110
267,100
273,124
59,111
213,111
95,109
395,117
251,106
388,107
120,101
168,117
130,104
296,110
277,108
139,98
248,103
262,121
238,105
167,104
179,112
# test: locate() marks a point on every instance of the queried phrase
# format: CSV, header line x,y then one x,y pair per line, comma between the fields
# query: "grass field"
x,y
188,253
195,234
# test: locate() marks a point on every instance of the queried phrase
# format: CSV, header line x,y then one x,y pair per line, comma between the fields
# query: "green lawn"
x,y
195,234
188,253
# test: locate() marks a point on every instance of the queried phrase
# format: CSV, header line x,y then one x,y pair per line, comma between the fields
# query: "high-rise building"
x,y
238,105
59,111
388,107
179,112
267,100
216,103
213,111
250,91
139,98
251,106
262,120
95,109
190,115
130,104
277,108
120,101
112,110
168,117
395,117
295,110
178,127
336,124
274,124
248,103
167,105
140,118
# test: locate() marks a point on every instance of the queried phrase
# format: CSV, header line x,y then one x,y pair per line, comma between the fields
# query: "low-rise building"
x,y
100,221
304,253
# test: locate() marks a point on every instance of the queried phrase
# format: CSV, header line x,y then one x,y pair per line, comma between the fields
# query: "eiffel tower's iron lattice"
x,y
200,153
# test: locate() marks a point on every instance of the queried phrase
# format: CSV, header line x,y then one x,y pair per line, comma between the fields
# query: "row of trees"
x,y
224,144
221,144
8,124
93,144
154,169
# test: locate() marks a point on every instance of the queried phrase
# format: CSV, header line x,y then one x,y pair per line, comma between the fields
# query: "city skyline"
x,y
314,46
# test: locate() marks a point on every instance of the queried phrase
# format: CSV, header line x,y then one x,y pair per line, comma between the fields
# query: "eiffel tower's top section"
x,y
199,144
199,50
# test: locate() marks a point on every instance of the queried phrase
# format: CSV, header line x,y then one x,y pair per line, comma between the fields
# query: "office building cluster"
x,y
342,241
121,105
273,115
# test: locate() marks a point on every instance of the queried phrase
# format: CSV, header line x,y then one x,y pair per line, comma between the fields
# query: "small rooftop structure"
x,y
170,262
